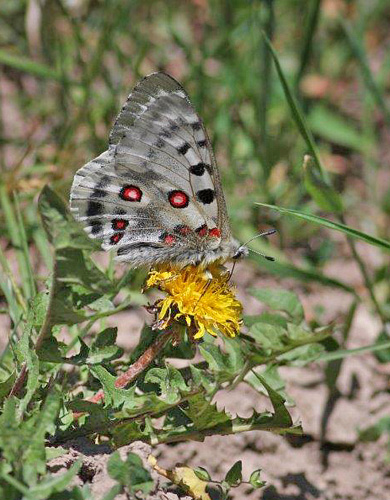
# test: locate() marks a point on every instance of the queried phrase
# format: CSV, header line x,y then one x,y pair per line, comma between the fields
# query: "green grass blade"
x,y
268,13
361,57
28,66
24,250
307,46
297,113
343,353
337,226
16,238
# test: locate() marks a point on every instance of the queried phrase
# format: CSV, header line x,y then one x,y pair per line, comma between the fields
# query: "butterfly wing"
x,y
155,195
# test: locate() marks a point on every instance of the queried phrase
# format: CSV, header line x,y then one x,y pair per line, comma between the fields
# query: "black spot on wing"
x,y
99,190
198,169
159,143
196,126
183,148
96,226
94,208
202,144
98,193
206,196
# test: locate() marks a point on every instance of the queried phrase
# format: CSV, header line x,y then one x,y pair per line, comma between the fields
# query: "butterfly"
x,y
155,195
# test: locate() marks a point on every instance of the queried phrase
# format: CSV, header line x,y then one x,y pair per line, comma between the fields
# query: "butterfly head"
x,y
241,251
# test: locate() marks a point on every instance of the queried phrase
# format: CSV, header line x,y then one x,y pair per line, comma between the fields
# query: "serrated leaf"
x,y
34,455
234,474
270,337
280,300
50,350
226,364
103,349
61,228
170,381
281,417
204,414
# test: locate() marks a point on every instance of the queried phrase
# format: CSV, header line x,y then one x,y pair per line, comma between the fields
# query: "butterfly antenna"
x,y
267,257
265,233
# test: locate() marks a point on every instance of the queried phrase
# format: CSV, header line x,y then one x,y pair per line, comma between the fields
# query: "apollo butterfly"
x,y
155,195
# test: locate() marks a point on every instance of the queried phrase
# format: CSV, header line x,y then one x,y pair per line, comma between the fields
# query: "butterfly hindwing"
x,y
155,195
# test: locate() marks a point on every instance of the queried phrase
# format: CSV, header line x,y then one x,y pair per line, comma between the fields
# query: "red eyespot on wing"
x,y
202,230
215,232
115,238
119,224
178,199
169,239
130,193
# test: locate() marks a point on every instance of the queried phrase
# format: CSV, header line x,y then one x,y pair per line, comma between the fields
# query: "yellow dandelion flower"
x,y
205,302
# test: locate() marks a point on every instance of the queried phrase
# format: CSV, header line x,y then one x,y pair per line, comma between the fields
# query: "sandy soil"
x,y
327,463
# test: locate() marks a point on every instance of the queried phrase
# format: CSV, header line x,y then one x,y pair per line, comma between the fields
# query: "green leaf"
x,y
34,455
227,364
375,431
27,355
6,385
336,129
281,417
170,381
202,473
130,473
337,226
54,484
266,317
234,474
62,230
203,414
255,479
280,300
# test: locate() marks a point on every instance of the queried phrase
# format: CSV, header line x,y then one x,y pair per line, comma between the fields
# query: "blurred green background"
x,y
68,66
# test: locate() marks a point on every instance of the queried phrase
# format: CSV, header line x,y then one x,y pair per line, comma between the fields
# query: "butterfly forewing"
x,y
155,195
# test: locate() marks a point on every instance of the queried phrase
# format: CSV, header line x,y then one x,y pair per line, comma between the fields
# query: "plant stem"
x,y
366,278
136,368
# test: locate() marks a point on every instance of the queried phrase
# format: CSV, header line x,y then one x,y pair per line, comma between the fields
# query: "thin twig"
x,y
135,369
